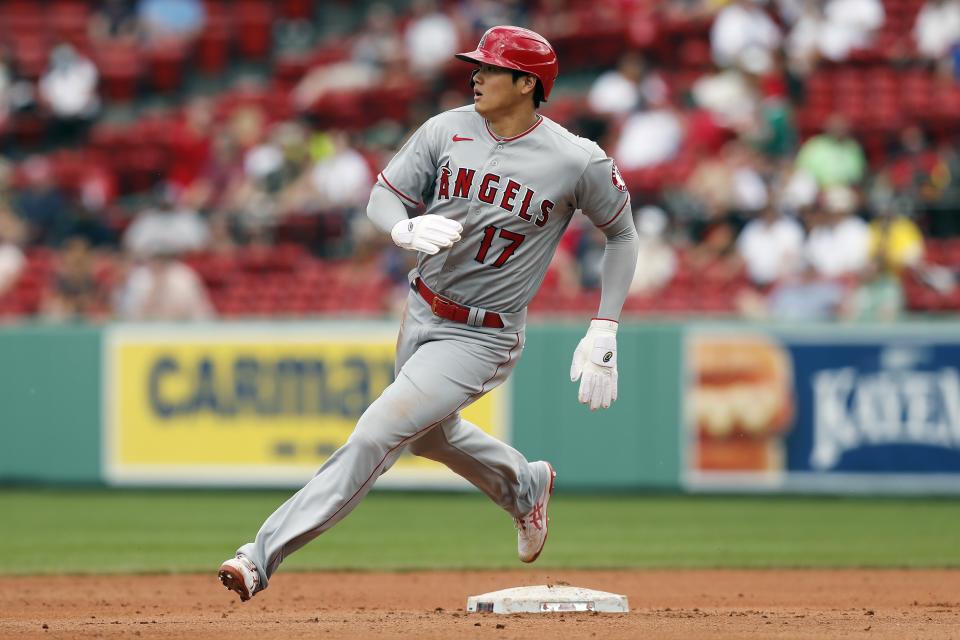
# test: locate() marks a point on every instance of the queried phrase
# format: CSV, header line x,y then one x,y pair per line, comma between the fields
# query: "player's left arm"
x,y
603,197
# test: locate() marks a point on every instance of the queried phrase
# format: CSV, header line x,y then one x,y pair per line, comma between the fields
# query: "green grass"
x,y
91,531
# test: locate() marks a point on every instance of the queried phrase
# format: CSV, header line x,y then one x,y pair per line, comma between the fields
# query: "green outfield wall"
x,y
54,405
50,404
701,407
633,444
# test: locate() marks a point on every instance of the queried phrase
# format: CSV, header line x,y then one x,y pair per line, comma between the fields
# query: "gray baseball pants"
x,y
441,367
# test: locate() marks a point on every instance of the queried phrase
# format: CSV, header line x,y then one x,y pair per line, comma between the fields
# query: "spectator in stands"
x,y
335,180
161,287
345,76
832,32
16,91
341,178
89,224
877,296
41,205
6,82
802,45
731,94
771,247
224,168
632,85
113,20
657,262
12,235
68,89
379,42
849,25
803,297
167,223
775,132
798,191
742,25
939,199
170,19
896,242
431,38
253,192
833,157
838,243
74,293
190,145
896,246
649,137
937,28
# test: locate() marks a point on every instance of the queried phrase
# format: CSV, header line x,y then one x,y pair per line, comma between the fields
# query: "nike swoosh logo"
x,y
457,138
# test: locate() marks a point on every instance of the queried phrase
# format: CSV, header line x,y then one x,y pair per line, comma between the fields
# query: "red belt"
x,y
450,310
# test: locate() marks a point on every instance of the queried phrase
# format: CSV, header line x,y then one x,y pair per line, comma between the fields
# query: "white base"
x,y
547,599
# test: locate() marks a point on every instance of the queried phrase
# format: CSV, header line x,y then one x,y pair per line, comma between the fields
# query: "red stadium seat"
x,y
120,67
165,64
213,45
254,23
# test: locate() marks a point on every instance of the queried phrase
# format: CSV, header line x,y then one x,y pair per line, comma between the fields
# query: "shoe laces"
x,y
535,517
252,568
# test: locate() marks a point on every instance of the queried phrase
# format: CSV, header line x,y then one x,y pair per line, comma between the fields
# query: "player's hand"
x,y
595,365
427,233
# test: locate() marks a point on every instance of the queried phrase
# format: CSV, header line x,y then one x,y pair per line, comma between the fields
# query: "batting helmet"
x,y
519,49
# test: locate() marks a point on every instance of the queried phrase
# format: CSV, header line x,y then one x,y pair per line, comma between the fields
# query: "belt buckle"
x,y
436,304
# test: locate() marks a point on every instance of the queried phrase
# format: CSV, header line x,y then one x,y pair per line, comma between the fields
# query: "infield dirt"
x,y
430,605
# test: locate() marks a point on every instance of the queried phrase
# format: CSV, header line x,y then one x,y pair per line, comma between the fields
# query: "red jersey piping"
x,y
398,192
516,137
616,215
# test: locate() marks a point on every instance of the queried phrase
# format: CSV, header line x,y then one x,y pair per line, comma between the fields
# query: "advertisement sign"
x,y
242,406
845,412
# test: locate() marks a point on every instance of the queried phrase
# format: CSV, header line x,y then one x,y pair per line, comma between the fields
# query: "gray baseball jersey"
x,y
513,196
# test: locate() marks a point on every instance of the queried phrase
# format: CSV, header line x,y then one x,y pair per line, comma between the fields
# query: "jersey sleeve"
x,y
601,192
414,167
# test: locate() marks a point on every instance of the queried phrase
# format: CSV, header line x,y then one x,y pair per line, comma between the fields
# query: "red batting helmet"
x,y
519,49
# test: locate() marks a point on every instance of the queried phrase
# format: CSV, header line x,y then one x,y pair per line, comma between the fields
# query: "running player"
x,y
500,183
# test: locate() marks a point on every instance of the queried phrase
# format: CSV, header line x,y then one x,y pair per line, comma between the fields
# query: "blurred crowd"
x,y
698,101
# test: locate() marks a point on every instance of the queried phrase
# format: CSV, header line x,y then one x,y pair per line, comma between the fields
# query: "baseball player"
x,y
500,183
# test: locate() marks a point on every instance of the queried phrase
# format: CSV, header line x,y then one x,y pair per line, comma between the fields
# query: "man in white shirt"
x,y
937,28
627,88
177,228
771,246
163,289
839,242
69,86
431,38
740,25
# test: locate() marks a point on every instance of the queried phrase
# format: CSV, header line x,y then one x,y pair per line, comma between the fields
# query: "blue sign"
x,y
852,411
875,407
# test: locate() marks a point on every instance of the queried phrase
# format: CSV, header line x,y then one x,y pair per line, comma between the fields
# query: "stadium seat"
x,y
165,62
254,24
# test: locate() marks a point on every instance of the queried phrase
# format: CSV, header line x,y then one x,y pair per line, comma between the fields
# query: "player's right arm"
x,y
426,233
398,188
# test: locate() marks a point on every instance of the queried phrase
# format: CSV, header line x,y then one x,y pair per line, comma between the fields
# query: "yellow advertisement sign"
x,y
238,405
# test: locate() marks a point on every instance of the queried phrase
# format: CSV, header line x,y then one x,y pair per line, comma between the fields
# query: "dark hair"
x,y
537,92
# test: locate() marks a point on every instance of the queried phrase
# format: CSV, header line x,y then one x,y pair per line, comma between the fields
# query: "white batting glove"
x,y
426,233
595,365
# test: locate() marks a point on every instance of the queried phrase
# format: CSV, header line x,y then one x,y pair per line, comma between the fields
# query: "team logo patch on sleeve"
x,y
617,178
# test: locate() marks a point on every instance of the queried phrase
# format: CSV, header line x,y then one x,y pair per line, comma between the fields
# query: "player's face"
x,y
495,92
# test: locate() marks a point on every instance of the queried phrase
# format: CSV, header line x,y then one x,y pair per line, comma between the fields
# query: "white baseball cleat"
x,y
240,575
532,527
